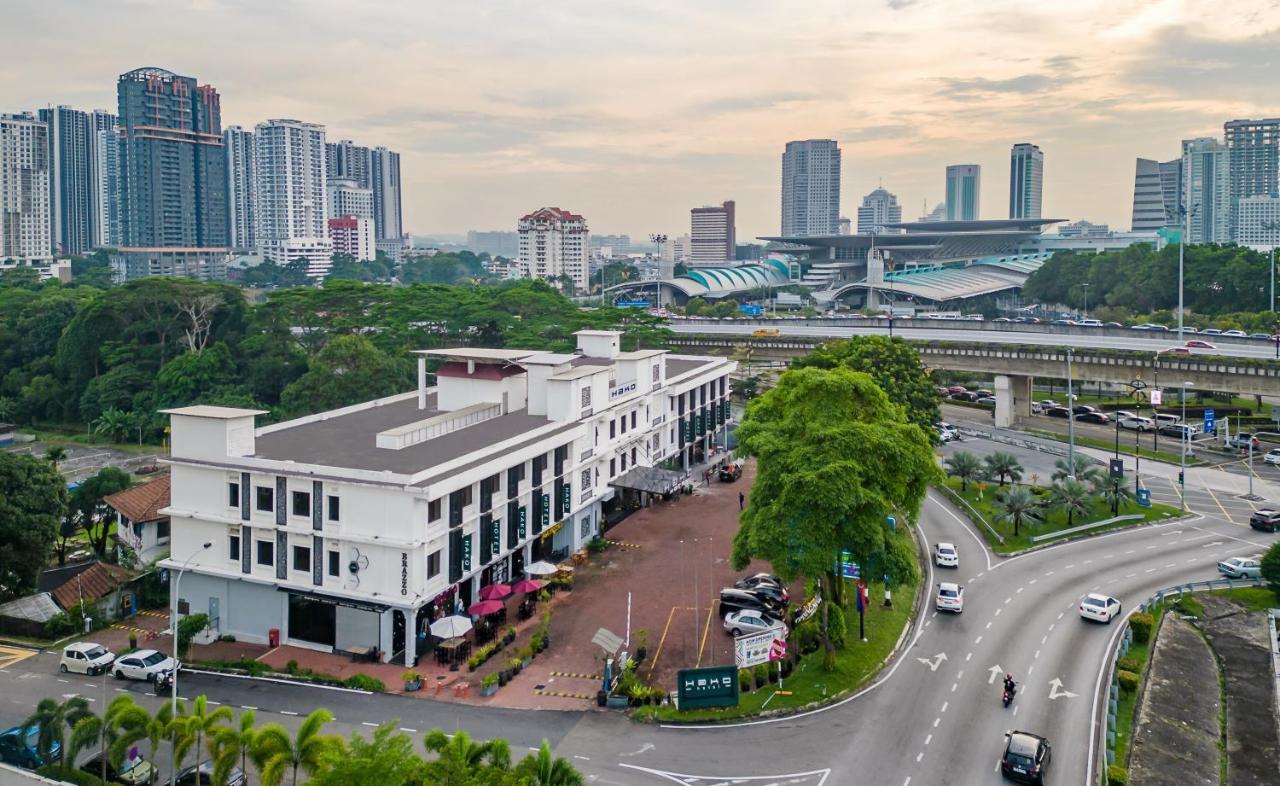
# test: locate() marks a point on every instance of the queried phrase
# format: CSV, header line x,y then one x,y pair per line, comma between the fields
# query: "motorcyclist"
x,y
164,681
1009,685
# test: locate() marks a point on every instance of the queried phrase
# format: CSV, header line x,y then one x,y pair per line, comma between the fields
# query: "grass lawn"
x,y
1252,598
983,501
1126,448
52,434
856,664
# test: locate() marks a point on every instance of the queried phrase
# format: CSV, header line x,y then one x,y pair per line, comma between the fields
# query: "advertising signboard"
x,y
715,686
753,648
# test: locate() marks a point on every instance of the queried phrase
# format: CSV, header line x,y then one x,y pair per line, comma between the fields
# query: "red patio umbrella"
x,y
495,592
526,586
485,608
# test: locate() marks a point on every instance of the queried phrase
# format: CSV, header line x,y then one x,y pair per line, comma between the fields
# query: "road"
x,y
1145,341
933,718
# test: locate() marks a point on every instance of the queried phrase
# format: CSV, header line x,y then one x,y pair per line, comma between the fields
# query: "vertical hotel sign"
x,y
546,510
466,553
495,537
522,519
566,500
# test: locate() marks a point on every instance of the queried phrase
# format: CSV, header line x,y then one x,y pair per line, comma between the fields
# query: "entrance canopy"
x,y
651,479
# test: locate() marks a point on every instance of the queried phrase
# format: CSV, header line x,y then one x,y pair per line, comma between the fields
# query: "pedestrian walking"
x,y
742,500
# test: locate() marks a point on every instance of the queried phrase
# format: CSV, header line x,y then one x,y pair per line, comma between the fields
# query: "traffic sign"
x,y
1117,469
1210,420
1144,498
1156,397
778,650
848,568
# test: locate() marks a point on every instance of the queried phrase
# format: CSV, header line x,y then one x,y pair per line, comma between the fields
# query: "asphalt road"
x,y
1144,342
934,718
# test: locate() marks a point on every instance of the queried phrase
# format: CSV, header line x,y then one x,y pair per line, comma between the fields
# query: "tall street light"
x,y
173,683
1186,446
1071,422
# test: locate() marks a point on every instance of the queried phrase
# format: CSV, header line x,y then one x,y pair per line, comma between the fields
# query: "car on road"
x,y
1112,324
143,665
1179,430
85,657
1241,440
1123,413
1272,457
1199,343
1150,326
946,556
741,623
1094,417
946,431
743,600
1265,520
1026,756
1099,608
1234,333
730,472
25,752
984,393
950,597
964,395
1058,412
1262,336
954,389
1137,423
985,401
1048,403
133,772
1211,332
1241,567
766,333
1175,351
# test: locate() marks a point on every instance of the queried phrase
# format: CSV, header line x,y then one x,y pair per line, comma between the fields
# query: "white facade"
x,y
811,188
241,187
1026,180
353,236
712,234
384,180
106,188
351,529
346,197
1206,178
1258,222
24,189
879,208
291,220
554,242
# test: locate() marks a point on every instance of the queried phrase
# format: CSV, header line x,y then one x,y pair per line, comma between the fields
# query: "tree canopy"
x,y
33,498
893,364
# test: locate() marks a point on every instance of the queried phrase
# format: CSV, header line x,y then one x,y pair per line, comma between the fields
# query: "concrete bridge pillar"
x,y
1013,399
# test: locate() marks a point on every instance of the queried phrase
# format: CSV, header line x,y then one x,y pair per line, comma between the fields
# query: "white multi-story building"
x,y
346,197
712,234
1206,179
355,528
554,242
24,189
290,218
879,208
353,236
1026,180
1258,222
241,187
811,188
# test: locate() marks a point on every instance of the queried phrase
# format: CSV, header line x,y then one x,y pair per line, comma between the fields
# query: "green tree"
x,y
1073,497
1271,567
116,424
349,370
280,752
459,759
387,758
894,365
51,721
162,728
234,745
1016,506
1002,465
92,512
836,457
200,724
33,498
201,377
112,733
1084,470
1116,492
965,466
545,769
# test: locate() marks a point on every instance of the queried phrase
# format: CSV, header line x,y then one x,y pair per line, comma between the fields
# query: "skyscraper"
x,y
1254,151
384,179
964,186
104,179
172,163
24,189
70,189
1206,179
1026,180
1157,194
712,234
290,219
242,188
554,243
345,197
346,159
811,188
878,208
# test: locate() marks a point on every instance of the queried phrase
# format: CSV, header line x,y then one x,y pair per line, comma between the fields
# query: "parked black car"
x,y
1265,520
1058,412
743,600
1025,758
730,472
748,582
132,772
771,592
967,395
1093,417
188,776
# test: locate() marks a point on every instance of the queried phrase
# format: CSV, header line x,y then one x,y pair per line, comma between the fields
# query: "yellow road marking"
x,y
705,629
10,656
653,664
1219,504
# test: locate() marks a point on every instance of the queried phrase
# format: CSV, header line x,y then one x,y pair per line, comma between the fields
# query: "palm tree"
x,y
56,455
160,728
233,745
1002,465
1084,470
195,727
123,724
277,751
51,720
458,759
114,423
1017,505
1116,494
1073,497
542,769
8,408
966,466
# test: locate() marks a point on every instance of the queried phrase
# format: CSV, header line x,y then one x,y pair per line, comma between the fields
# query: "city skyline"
x,y
480,145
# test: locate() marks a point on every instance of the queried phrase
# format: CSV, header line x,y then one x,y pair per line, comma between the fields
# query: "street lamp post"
x,y
1085,287
1155,386
1186,445
173,616
1071,421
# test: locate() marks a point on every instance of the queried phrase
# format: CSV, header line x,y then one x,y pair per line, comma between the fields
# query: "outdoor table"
x,y
449,651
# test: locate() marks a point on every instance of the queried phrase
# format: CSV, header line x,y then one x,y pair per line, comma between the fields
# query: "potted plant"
x,y
515,666
412,681
744,680
642,643
511,634
504,677
544,595
489,685
133,640
526,656
535,642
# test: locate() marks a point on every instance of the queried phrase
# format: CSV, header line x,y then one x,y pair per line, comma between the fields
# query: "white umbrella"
x,y
540,568
450,627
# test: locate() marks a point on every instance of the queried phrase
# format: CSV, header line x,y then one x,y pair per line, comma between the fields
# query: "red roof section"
x,y
142,503
95,583
552,213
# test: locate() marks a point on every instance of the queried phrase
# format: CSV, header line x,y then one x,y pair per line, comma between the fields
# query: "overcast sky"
x,y
633,112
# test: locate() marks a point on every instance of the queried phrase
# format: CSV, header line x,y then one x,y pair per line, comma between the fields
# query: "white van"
x,y
86,657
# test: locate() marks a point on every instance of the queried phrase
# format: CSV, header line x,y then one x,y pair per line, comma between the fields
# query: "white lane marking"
x,y
1052,625
919,756
954,685
368,723
1043,639
1057,692
247,707
1008,600
1030,669
978,640
1130,575
934,614
998,611
584,758
1015,712
1088,562
1036,656
1020,589
944,706
994,671
1172,565
1033,581
288,712
1069,567
928,739
415,731
907,782
211,701
1152,546
1061,614
934,662
968,657
936,721
1109,556
959,675
64,681
1050,573
989,625
1130,551
1149,570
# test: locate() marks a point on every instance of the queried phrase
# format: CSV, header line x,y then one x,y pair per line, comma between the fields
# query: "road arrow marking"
x,y
996,671
934,662
1211,545
1056,691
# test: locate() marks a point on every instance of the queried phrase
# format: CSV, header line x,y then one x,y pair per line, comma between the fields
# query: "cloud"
x,y
1180,61
898,5
876,133
749,103
977,87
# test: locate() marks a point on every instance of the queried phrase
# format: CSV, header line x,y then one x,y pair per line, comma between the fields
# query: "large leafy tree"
x,y
459,759
545,769
206,376
892,363
92,513
836,458
349,370
202,723
1003,466
387,758
1072,497
965,466
33,498
233,746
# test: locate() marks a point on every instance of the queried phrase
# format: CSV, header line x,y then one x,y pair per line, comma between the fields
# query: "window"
x,y
514,476
623,420
233,495
613,468
334,561
624,462
233,548
613,429
586,478
586,527
433,510
334,508
657,441
433,564
586,396
657,372
266,498
162,530
633,456
633,418
301,558
266,552
539,466
302,503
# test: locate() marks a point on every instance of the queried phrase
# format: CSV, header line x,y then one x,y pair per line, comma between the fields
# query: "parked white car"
x,y
85,657
143,665
740,623
1099,608
946,431
950,597
946,556
1241,567
1272,457
1137,423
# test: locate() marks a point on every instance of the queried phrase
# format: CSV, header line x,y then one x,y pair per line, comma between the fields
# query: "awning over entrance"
x,y
651,479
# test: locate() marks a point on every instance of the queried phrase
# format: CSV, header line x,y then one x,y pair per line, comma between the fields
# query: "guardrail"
x,y
1107,749
1084,527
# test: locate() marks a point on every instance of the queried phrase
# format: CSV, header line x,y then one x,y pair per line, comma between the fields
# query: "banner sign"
x,y
716,686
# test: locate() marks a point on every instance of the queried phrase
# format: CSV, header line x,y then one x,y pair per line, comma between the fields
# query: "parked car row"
x,y
755,604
